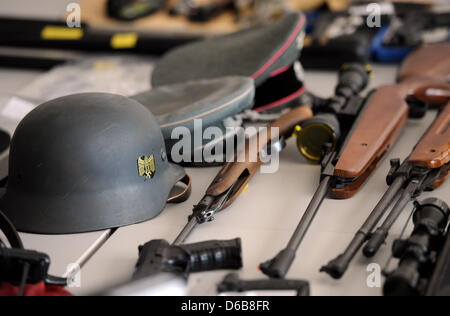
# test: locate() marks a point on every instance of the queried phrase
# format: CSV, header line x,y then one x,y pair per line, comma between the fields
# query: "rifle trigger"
x,y
210,205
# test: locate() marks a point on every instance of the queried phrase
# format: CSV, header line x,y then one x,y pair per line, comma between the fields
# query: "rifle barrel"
x,y
379,236
310,214
279,266
184,234
337,267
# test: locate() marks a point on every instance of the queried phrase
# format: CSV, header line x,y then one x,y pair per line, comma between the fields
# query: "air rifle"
x,y
429,157
425,169
385,112
235,175
418,253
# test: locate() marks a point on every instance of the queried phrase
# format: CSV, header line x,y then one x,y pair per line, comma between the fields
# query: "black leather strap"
x,y
10,232
183,196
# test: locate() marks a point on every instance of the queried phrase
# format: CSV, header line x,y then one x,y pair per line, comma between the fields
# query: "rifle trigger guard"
x,y
210,205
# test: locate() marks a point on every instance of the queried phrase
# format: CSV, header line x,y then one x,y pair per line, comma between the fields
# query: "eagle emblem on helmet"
x,y
146,166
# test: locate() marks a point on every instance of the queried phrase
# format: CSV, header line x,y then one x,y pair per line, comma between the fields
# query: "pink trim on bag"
x,y
282,50
279,71
281,101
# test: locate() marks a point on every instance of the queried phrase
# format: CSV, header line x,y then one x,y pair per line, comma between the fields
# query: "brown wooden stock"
x,y
432,62
422,74
425,69
433,151
428,68
434,93
351,189
244,169
381,123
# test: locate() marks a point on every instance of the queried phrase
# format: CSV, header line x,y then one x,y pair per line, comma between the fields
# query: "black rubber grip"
x,y
279,266
215,255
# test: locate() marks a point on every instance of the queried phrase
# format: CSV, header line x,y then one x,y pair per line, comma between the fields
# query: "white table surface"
x,y
264,216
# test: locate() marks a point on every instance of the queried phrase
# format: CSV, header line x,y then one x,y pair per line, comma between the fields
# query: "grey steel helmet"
x,y
88,162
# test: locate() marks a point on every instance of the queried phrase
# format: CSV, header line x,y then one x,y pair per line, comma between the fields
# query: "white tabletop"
x,y
264,216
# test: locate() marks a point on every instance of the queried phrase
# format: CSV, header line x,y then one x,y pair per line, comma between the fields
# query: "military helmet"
x,y
87,162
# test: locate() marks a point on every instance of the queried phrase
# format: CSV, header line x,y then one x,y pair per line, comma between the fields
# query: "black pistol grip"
x,y
214,255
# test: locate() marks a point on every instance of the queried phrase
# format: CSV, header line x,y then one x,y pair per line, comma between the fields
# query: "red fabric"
x,y
39,289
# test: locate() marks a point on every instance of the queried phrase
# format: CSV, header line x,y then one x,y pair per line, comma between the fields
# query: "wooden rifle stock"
x,y
434,149
242,169
425,70
380,125
430,62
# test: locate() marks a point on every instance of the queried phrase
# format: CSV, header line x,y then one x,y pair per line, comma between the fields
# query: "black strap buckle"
x,y
12,262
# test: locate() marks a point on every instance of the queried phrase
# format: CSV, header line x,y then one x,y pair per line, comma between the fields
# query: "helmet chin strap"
x,y
181,197
10,232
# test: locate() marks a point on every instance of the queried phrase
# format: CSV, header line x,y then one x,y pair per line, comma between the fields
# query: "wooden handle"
x,y
433,92
290,120
435,95
245,168
427,69
431,61
381,123
433,151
